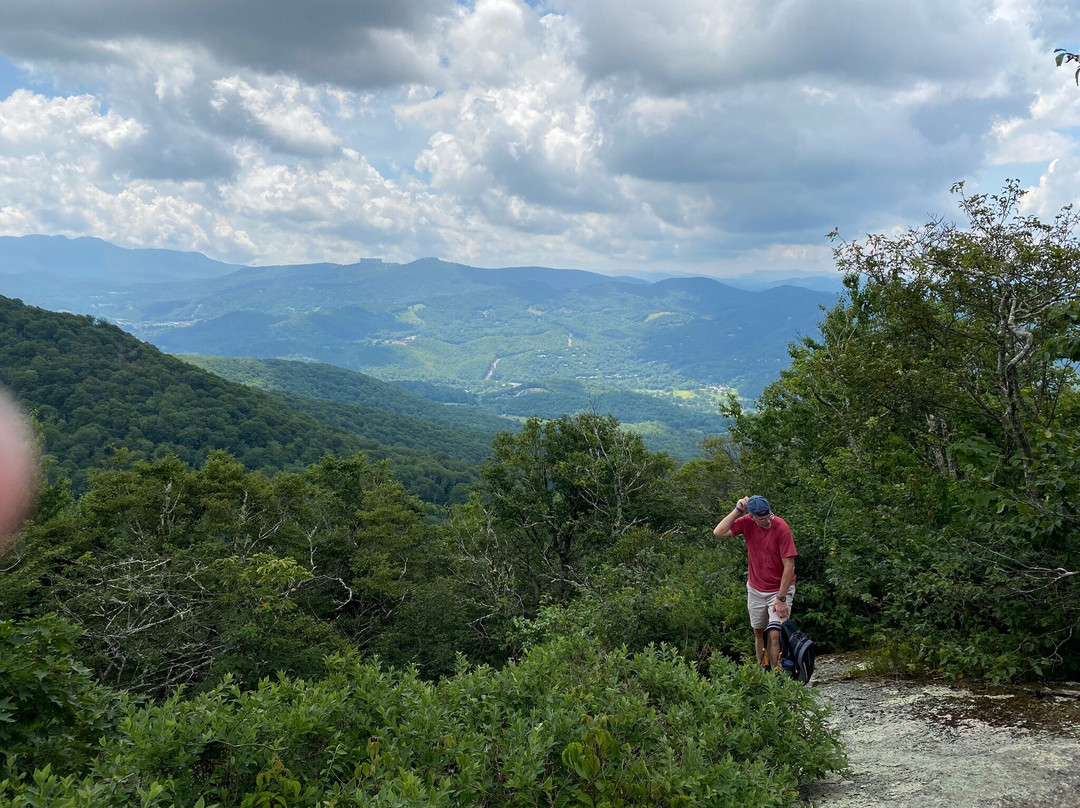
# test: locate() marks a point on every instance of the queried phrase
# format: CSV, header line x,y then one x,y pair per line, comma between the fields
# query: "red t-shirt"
x,y
766,550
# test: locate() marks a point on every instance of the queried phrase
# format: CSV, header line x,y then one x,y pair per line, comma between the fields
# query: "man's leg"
x,y
774,649
759,645
772,632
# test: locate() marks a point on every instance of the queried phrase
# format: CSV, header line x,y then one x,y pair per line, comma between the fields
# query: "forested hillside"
x,y
481,329
520,341
665,422
317,380
100,396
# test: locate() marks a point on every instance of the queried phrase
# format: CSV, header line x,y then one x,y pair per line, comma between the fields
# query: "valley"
x,y
512,343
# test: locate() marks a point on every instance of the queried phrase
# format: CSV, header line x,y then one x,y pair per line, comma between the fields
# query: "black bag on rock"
x,y
797,653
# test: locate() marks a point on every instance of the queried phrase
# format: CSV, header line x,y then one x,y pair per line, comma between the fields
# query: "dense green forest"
x,y
668,422
572,634
318,380
100,396
357,653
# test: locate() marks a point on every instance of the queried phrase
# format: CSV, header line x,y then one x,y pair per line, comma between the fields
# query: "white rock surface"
x,y
935,744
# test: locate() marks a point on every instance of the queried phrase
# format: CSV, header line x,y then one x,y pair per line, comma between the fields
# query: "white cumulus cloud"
x,y
688,136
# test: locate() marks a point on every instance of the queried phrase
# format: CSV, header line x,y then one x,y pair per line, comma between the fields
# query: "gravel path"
x,y
935,744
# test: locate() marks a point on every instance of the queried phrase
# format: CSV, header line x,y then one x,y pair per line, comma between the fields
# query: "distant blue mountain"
x,y
762,280
56,272
91,258
511,339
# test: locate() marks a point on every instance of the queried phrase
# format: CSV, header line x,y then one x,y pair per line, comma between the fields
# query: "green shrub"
x,y
658,589
566,725
52,712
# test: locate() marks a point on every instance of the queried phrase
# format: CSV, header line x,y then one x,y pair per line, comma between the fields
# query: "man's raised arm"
x,y
723,530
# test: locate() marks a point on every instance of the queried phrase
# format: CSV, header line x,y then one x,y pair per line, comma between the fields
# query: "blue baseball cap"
x,y
758,505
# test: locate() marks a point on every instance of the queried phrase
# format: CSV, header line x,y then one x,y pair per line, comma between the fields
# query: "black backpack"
x,y
797,653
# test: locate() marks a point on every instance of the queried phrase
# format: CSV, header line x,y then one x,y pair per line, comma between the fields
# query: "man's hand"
x,y
781,609
723,530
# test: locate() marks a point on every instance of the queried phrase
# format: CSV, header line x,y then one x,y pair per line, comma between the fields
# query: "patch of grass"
x,y
411,316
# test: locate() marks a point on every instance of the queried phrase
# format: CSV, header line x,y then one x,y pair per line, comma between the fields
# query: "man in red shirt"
x,y
771,552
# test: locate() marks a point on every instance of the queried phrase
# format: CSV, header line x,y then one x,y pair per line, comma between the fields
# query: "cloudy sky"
x,y
700,136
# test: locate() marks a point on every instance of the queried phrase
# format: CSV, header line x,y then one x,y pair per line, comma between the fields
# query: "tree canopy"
x,y
100,396
926,442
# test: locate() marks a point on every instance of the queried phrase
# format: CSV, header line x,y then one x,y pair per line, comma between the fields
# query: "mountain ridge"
x,y
485,331
98,395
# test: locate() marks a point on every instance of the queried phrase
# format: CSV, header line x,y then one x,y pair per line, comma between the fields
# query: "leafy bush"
x,y
177,576
658,589
567,725
51,710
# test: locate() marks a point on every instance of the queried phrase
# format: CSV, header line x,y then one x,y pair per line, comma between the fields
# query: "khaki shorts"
x,y
759,604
